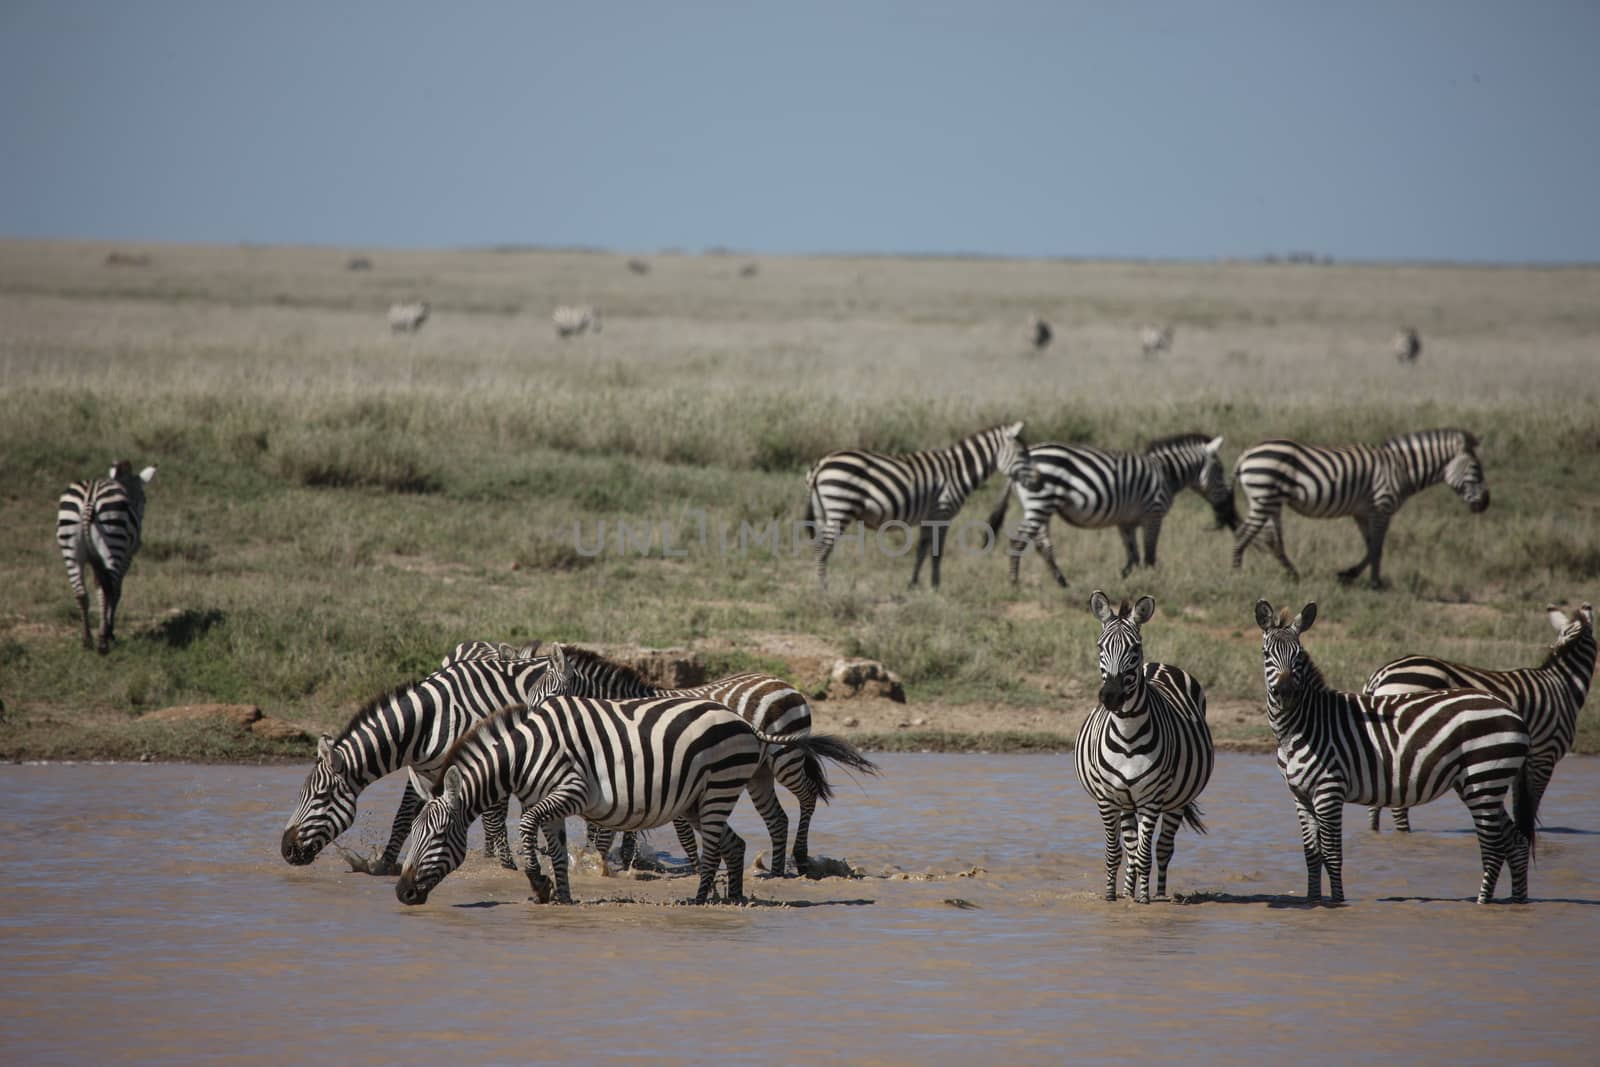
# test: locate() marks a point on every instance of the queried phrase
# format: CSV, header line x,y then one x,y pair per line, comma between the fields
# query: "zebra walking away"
x,y
407,318
576,319
1365,482
413,727
1407,345
769,704
923,489
1345,748
1093,488
624,765
1548,697
1144,753
98,522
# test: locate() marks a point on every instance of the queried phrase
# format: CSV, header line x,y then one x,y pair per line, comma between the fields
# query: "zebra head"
x,y
438,837
1012,458
327,807
1288,670
556,678
1121,649
1571,629
1213,482
1464,474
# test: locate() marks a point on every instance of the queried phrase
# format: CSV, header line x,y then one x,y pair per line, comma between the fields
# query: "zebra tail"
x,y
819,747
1227,512
997,517
1191,814
1527,809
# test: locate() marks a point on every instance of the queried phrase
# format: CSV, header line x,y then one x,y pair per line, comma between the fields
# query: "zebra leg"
x,y
110,596
1130,850
732,849
530,829
1308,841
1164,848
1372,817
1328,807
1112,819
555,842
791,775
1275,543
826,536
495,839
81,594
1130,546
1152,535
1043,546
404,816
1496,840
1255,521
1402,820
1148,823
765,798
1350,574
630,850
924,545
686,838
1377,530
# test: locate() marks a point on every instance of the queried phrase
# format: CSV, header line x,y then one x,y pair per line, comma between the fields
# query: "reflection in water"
x,y
148,917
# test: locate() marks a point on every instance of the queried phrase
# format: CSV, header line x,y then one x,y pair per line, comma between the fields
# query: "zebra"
x,y
411,726
1042,334
624,765
911,488
1366,482
1093,488
769,704
98,522
1407,345
407,318
1346,748
1548,697
575,319
1145,753
1153,339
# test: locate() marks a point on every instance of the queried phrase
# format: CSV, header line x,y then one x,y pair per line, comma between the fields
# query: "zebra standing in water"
x,y
625,765
1343,748
1367,483
1145,753
1092,488
412,727
769,704
923,489
1548,697
98,521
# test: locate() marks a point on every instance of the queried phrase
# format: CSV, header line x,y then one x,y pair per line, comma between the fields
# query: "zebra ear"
x,y
419,785
1308,615
146,474
1263,615
1558,618
1101,607
1014,430
454,784
324,749
557,669
1213,444
1143,609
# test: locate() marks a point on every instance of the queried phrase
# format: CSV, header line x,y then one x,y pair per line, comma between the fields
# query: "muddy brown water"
x,y
147,917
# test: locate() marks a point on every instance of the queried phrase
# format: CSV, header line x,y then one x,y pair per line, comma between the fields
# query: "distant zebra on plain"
x,y
1153,339
98,524
570,321
1144,754
1093,488
769,704
1548,697
923,489
1368,483
1042,334
1345,748
1407,345
410,727
624,765
407,318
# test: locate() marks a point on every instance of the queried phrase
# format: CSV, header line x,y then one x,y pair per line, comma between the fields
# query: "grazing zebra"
x,y
1153,339
1092,488
413,726
1346,748
407,318
769,704
1366,482
911,488
1548,697
623,765
573,320
1144,754
1042,334
1407,345
97,525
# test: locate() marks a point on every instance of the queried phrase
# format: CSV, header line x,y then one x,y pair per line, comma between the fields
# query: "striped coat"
x,y
98,526
407,318
570,321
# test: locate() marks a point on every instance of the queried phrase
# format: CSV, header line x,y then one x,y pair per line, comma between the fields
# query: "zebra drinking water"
x,y
98,523
923,489
1145,753
412,727
1365,482
1093,488
1345,748
1548,697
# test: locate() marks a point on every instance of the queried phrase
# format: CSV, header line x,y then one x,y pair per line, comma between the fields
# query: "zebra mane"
x,y
468,736
1176,439
578,659
371,706
1469,440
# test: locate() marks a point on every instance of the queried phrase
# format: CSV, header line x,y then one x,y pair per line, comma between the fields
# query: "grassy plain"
x,y
337,505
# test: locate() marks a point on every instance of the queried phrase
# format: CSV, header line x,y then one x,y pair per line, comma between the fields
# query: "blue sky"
x,y
1363,130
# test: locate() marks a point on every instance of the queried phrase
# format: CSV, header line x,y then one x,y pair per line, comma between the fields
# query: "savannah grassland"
x,y
337,506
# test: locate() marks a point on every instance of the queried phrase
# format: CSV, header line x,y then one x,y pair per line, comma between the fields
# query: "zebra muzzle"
x,y
293,851
407,891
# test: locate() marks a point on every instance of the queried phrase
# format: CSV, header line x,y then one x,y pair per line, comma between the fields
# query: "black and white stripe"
x,y
625,765
1365,482
1093,488
923,489
775,709
572,320
98,523
1345,748
1548,697
412,727
408,318
1145,753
